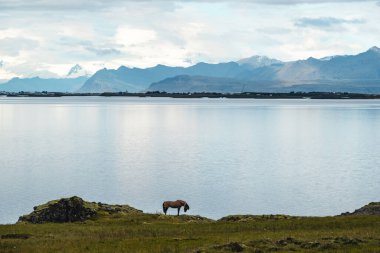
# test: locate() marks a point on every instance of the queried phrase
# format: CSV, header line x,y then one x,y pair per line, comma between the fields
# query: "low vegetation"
x,y
124,231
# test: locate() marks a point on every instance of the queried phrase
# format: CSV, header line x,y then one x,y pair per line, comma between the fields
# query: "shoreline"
x,y
245,95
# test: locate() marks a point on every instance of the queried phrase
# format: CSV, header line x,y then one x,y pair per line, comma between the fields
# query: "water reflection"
x,y
304,157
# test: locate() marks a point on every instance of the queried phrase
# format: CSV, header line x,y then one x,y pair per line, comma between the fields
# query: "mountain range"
x,y
137,79
348,73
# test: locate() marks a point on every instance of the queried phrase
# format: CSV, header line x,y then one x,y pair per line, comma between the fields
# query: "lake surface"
x,y
224,156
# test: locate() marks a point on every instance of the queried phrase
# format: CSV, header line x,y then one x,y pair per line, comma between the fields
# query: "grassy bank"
x,y
158,233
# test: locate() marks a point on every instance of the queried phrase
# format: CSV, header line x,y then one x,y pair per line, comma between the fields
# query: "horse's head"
x,y
186,207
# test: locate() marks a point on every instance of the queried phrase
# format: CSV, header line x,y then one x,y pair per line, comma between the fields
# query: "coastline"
x,y
245,95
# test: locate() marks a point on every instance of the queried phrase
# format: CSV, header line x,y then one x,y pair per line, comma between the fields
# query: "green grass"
x,y
158,233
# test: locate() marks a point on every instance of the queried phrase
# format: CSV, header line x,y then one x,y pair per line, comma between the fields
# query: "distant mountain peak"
x,y
374,49
76,71
121,68
161,65
258,61
328,58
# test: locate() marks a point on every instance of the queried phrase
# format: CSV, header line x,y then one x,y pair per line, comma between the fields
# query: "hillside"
x,y
186,83
180,84
364,67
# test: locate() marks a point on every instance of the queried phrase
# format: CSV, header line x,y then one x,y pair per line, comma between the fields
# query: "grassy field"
x,y
159,233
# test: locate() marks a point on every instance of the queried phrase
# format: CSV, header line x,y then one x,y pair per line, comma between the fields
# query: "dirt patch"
x,y
15,236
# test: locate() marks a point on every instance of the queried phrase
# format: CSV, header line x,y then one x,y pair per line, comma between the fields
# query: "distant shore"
x,y
244,95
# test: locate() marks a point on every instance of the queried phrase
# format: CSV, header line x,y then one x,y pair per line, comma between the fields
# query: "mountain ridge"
x,y
137,79
330,73
252,71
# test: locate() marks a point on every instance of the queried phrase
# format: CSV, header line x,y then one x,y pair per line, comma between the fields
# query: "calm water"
x,y
299,157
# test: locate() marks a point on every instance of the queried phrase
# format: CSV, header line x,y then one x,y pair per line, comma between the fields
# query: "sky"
x,y
47,37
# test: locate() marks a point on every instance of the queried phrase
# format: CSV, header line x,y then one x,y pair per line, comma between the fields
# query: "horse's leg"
x,y
165,209
179,208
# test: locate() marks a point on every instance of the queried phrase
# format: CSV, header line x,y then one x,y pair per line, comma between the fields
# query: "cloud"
x,y
104,51
30,69
325,22
84,5
73,5
13,46
129,36
1,64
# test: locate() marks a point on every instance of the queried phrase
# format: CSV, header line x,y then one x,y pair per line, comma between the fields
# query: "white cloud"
x,y
81,5
129,36
13,46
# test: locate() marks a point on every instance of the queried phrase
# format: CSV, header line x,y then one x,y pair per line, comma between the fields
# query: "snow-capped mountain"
x,y
258,61
77,71
328,58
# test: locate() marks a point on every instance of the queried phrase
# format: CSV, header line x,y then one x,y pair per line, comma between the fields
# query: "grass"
x,y
158,233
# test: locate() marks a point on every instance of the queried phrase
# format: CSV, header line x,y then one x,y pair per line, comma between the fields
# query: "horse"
x,y
175,204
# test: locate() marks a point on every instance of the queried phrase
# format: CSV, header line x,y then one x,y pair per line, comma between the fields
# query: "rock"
x,y
372,208
282,242
232,246
71,210
235,247
244,218
347,241
310,245
64,210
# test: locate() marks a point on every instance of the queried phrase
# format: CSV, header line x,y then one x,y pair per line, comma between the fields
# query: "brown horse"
x,y
175,204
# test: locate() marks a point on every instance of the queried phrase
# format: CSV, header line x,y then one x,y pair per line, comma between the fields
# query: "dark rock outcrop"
x,y
72,210
65,210
233,247
372,208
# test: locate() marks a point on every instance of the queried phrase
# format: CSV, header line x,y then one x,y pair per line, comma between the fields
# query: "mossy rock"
x,y
72,210
245,218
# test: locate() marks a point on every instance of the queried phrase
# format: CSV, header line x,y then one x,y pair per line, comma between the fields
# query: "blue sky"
x,y
46,38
